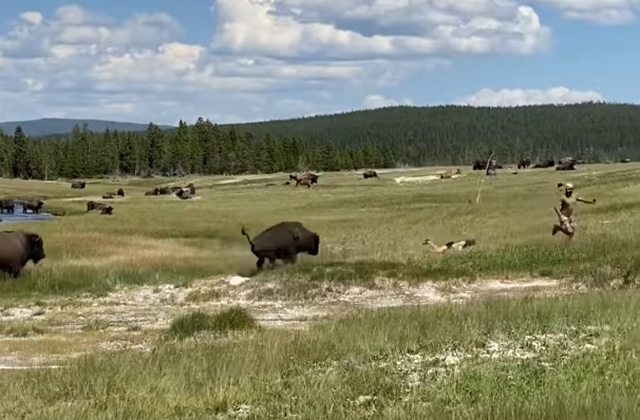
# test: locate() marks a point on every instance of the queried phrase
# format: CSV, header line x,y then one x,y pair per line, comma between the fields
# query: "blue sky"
x,y
245,60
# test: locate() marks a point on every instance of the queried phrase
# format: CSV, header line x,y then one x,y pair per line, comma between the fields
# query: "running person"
x,y
565,214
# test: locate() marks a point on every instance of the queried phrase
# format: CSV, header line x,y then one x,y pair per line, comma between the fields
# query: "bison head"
x,y
35,247
315,249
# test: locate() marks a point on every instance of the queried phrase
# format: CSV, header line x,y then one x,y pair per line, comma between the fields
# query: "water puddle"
x,y
20,217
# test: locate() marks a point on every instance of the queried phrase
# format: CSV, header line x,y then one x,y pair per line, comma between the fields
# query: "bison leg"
x,y
290,259
260,263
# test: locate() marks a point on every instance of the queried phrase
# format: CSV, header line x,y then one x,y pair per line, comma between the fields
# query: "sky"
x,y
245,60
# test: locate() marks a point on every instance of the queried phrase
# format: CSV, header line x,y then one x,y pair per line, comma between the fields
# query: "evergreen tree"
x,y
20,158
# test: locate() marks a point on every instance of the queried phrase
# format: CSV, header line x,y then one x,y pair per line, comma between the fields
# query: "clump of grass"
x,y
233,319
21,330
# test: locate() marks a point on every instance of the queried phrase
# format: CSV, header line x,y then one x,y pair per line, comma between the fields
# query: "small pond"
x,y
20,217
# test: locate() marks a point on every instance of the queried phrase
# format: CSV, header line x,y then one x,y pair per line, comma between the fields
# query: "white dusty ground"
x,y
128,318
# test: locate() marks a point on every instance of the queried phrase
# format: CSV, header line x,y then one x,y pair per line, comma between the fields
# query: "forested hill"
x,y
381,138
459,134
55,126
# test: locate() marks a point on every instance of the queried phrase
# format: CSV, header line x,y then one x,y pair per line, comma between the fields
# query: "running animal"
x,y
449,246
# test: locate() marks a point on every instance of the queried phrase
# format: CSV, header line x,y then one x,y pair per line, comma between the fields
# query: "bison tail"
x,y
244,233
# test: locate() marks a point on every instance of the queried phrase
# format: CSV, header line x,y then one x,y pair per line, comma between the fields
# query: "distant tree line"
x,y
202,148
383,138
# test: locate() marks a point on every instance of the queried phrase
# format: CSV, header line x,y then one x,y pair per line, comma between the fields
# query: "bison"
x,y
120,192
305,181
524,163
102,207
17,248
108,196
34,206
481,165
283,241
191,188
78,185
370,174
7,205
542,165
184,194
566,167
625,161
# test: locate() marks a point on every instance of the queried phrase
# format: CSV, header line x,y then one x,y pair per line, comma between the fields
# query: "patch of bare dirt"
x,y
152,308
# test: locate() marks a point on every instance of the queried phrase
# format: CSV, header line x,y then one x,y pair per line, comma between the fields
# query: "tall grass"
x,y
557,358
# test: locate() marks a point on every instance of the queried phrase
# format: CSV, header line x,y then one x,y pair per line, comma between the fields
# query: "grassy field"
x,y
571,356
369,229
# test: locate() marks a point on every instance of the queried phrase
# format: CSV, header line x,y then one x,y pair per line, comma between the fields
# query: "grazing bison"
x,y
542,165
120,192
34,206
184,194
283,241
567,160
625,161
7,205
102,207
17,248
370,174
481,165
78,185
305,181
152,192
524,163
566,167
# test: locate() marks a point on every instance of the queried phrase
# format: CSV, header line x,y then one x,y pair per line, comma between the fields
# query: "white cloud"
x,y
609,12
379,101
295,28
267,58
514,97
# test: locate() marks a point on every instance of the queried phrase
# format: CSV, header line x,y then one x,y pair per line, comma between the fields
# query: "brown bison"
x,y
34,206
7,205
542,165
370,174
566,167
120,192
184,194
481,165
283,241
17,248
78,185
524,163
303,182
191,188
108,196
102,207
303,178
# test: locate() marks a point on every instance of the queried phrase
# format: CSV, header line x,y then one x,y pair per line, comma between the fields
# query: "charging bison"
x,y
283,241
17,248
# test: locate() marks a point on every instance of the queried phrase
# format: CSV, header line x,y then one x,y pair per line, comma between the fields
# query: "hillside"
x,y
51,126
460,134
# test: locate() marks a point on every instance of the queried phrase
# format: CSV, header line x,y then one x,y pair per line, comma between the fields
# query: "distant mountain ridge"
x,y
51,126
